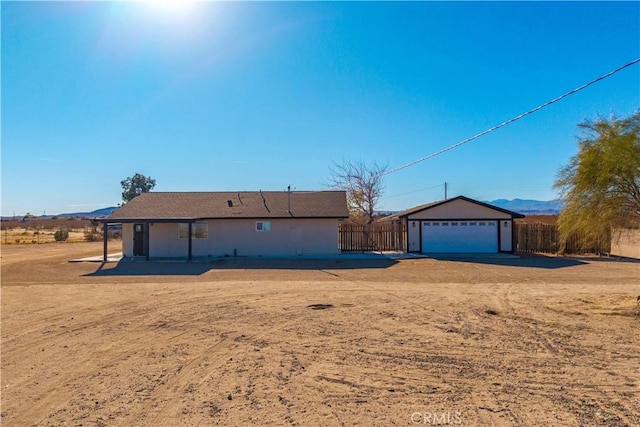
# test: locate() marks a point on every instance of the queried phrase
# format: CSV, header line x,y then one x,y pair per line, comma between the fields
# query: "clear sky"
x,y
215,96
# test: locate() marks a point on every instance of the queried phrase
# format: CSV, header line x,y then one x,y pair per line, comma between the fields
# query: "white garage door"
x,y
459,236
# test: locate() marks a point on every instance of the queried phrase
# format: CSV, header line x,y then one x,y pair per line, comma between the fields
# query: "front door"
x,y
138,240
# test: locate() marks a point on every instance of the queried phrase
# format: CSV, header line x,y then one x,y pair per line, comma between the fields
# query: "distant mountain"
x,y
530,207
98,213
523,206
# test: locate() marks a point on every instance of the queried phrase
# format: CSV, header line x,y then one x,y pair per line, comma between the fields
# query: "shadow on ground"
x,y
196,268
525,260
167,268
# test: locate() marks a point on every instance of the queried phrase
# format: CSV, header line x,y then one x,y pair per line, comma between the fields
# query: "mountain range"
x,y
530,207
98,213
522,206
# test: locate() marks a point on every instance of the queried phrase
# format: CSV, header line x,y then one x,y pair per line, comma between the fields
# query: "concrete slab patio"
x,y
361,256
115,257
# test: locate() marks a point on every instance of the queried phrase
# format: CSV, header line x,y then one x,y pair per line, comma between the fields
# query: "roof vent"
x,y
230,203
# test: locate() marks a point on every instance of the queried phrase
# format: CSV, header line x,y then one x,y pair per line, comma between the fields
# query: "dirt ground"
x,y
529,341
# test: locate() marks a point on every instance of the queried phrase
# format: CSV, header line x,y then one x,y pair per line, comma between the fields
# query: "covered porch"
x,y
140,236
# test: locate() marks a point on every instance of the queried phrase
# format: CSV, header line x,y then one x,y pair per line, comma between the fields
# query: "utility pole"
x,y
445,190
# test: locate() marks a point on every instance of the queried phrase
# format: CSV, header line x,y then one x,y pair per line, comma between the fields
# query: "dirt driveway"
x,y
530,341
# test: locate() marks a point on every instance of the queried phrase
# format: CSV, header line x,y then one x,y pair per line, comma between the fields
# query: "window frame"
x,y
199,230
263,226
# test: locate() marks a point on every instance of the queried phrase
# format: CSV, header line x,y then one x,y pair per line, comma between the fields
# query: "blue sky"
x,y
215,96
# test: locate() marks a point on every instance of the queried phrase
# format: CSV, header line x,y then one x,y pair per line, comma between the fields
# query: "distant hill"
x,y
98,213
530,207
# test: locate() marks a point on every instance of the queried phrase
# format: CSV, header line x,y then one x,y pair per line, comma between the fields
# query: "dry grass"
x,y
35,236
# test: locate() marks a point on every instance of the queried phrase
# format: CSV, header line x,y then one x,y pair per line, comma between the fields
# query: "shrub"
x,y
61,235
92,235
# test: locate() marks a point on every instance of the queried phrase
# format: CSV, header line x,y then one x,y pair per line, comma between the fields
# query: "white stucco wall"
x,y
413,235
459,209
506,235
286,237
127,240
164,241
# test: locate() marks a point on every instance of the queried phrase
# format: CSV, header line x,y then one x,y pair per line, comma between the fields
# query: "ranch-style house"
x,y
166,225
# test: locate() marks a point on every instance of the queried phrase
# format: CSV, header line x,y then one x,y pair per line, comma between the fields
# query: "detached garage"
x,y
459,225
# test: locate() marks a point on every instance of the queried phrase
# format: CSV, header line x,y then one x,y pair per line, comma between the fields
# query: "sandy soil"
x,y
532,341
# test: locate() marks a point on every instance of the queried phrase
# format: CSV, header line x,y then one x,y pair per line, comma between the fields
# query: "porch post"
x,y
190,253
105,232
145,240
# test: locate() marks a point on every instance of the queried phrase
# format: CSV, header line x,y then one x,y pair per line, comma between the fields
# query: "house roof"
x,y
191,206
427,206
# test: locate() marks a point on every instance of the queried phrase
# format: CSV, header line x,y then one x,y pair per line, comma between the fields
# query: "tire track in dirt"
x,y
85,366
212,358
563,351
368,287
352,357
126,349
117,307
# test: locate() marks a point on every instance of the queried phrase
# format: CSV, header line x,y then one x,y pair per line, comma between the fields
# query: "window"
x,y
463,224
183,231
454,224
199,230
482,223
436,224
263,226
426,224
444,224
473,223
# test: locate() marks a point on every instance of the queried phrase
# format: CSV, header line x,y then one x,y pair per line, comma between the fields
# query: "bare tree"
x,y
363,183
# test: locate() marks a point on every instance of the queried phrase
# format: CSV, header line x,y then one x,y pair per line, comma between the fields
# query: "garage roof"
x,y
431,205
190,206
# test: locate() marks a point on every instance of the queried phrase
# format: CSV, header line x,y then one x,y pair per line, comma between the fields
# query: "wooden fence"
x,y
544,238
378,236
392,236
531,238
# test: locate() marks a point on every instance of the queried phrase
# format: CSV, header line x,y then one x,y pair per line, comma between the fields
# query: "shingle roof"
x,y
173,206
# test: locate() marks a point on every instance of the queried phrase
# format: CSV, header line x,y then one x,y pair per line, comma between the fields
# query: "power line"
x,y
415,191
533,110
